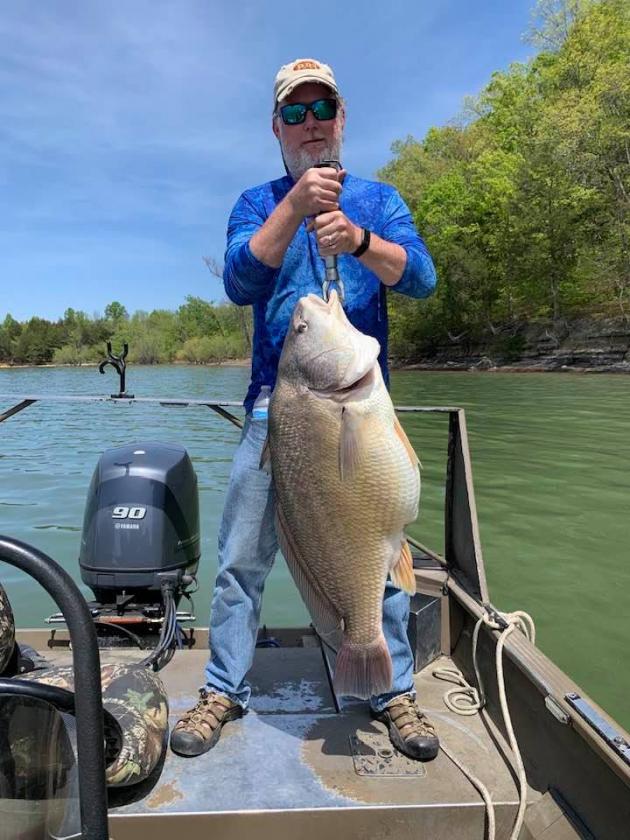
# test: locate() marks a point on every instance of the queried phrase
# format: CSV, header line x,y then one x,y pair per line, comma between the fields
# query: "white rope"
x,y
467,700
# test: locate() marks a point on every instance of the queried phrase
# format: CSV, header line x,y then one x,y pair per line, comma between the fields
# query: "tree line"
x,y
524,201
198,332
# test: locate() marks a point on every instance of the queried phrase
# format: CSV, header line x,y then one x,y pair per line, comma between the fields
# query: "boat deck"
x,y
296,751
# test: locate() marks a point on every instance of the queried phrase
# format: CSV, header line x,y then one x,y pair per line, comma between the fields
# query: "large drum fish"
x,y
347,482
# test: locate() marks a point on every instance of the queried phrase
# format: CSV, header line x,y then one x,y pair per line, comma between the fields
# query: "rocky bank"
x,y
585,345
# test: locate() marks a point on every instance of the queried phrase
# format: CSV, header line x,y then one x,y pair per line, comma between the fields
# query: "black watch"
x,y
365,243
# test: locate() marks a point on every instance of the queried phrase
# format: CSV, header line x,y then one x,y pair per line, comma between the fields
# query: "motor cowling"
x,y
141,520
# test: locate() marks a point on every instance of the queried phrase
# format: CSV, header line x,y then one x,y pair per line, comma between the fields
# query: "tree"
x,y
244,313
116,312
552,21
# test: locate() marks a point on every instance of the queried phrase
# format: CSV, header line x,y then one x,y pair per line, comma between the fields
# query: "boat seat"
x,y
7,631
136,700
137,731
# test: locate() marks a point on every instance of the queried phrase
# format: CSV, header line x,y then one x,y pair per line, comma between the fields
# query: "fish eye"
x,y
302,326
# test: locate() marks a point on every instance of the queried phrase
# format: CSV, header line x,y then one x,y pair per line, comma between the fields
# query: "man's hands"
x,y
316,197
317,194
317,191
335,233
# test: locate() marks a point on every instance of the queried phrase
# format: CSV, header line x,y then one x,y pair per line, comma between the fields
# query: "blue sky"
x,y
129,128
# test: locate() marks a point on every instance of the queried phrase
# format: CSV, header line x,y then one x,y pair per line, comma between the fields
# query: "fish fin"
x,y
349,443
325,616
265,457
405,442
402,571
363,670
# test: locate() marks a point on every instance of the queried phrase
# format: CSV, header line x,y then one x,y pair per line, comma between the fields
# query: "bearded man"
x,y
277,236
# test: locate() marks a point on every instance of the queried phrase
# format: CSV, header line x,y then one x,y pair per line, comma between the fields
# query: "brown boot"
x,y
200,727
410,730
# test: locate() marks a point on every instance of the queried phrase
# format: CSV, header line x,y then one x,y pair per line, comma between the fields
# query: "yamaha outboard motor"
x,y
140,544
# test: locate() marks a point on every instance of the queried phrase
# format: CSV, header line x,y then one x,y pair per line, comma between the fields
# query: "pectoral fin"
x,y
325,616
350,443
405,442
265,457
402,571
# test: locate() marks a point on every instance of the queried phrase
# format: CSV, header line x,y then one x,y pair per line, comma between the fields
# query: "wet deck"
x,y
292,754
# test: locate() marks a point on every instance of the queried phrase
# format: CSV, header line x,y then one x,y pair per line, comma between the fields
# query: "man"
x,y
277,236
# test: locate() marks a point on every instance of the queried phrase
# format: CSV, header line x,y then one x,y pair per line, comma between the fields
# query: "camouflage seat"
x,y
7,631
136,700
133,695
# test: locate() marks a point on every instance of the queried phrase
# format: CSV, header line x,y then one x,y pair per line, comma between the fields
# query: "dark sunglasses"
x,y
323,109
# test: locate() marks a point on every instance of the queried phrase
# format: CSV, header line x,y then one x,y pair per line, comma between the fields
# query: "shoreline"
x,y
473,365
477,367
226,363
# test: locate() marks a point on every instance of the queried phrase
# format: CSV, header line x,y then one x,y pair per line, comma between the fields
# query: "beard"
x,y
300,160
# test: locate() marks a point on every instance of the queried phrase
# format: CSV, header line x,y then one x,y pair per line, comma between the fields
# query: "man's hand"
x,y
317,191
336,234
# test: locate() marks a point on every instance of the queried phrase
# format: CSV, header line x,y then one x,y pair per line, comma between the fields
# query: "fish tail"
x,y
363,670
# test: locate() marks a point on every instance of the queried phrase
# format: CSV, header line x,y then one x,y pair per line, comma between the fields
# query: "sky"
x,y
128,128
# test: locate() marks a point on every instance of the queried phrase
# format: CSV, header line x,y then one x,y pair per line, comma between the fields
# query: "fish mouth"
x,y
356,390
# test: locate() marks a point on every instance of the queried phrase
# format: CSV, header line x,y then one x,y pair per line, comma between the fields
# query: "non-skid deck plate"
x,y
374,755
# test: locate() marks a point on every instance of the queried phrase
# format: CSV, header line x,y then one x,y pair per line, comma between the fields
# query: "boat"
x,y
86,704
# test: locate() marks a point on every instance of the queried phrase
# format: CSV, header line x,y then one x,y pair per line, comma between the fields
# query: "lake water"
x,y
550,458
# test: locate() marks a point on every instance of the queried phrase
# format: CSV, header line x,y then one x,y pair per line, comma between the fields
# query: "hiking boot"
x,y
200,727
410,730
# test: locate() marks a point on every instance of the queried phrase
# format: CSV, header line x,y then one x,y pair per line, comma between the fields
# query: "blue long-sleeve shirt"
x,y
273,292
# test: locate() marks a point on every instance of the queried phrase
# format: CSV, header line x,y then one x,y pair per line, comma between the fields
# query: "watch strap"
x,y
365,243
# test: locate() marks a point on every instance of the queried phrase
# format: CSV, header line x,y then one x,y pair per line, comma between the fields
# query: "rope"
x,y
464,699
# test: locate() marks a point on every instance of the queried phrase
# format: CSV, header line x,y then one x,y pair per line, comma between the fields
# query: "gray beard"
x,y
301,160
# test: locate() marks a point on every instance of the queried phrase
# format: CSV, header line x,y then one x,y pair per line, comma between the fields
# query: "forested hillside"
x,y
524,202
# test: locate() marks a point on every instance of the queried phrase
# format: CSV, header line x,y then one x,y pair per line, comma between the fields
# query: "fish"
x,y
347,482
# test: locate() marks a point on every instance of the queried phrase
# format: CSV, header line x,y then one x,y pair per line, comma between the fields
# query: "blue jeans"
x,y
247,547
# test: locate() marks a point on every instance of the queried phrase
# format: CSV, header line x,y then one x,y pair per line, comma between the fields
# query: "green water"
x,y
550,461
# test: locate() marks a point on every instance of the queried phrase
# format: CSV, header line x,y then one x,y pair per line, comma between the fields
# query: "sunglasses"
x,y
323,109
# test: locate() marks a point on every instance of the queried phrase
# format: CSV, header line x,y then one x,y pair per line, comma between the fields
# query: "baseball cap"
x,y
298,72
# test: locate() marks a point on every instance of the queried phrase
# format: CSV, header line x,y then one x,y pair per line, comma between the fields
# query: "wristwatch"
x,y
365,243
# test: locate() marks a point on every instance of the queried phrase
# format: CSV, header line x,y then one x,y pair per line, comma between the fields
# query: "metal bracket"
x,y
604,729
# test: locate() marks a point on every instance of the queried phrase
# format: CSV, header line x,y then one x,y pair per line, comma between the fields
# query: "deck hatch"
x,y
374,755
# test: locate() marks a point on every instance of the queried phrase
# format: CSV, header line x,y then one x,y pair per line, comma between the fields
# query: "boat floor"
x,y
295,751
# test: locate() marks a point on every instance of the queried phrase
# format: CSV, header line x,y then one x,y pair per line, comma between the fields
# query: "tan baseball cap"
x,y
298,72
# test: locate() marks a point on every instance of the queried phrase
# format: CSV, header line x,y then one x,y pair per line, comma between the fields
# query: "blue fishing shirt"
x,y
273,292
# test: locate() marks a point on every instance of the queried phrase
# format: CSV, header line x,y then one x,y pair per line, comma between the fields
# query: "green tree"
x,y
116,312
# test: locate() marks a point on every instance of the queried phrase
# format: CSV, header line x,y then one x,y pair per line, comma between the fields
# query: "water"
x,y
550,465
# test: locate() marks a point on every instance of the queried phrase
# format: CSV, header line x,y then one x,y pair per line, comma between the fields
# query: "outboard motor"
x,y
140,544
141,521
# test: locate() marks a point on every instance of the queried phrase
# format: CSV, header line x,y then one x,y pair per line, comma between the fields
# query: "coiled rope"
x,y
465,699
